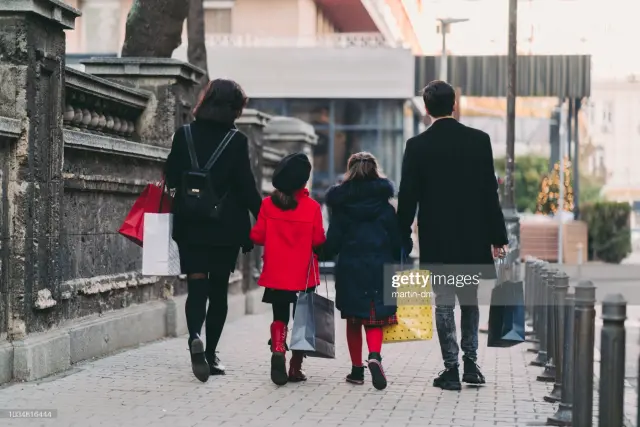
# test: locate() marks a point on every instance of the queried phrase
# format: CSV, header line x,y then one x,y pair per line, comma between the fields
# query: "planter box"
x,y
539,239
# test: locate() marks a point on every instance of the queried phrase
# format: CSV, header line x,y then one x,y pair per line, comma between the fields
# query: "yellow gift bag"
x,y
415,314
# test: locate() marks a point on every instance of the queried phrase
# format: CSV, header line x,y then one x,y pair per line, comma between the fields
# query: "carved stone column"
x,y
32,60
252,124
291,135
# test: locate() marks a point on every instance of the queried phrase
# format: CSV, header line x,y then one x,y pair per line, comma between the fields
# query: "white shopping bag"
x,y
160,253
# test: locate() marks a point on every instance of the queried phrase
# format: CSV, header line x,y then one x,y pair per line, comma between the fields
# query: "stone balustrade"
x,y
98,105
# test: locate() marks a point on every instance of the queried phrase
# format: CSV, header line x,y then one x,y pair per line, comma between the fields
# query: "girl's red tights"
x,y
354,341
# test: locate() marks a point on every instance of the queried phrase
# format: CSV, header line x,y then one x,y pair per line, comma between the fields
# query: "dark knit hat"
x,y
292,173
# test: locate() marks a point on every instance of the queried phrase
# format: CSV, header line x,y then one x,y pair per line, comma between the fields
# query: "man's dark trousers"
x,y
446,324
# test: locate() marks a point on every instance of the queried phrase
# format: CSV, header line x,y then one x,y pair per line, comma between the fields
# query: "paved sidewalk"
x,y
153,385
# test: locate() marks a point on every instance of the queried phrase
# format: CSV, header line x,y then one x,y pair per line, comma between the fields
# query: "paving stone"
x,y
153,385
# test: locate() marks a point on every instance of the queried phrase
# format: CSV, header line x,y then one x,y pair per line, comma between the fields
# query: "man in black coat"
x,y
448,173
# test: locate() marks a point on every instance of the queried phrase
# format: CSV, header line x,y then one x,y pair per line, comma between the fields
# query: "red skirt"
x,y
372,320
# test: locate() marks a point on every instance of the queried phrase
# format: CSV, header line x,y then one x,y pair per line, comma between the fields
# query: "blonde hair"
x,y
362,165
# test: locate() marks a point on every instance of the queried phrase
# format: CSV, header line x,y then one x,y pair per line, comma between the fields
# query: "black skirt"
x,y
277,296
205,259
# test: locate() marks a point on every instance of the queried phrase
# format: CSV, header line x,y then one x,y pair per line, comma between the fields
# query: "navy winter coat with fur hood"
x,y
363,233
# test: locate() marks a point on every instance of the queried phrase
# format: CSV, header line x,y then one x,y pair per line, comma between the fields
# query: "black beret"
x,y
292,173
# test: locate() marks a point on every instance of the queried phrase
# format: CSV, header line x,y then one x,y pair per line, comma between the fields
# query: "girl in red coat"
x,y
289,226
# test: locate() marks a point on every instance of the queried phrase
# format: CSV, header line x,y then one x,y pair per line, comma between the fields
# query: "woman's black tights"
x,y
215,289
281,312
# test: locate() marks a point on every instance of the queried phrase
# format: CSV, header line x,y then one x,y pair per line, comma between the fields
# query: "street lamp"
x,y
445,27
509,208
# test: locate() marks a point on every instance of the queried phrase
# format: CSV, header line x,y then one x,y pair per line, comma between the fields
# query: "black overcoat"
x,y
231,174
448,176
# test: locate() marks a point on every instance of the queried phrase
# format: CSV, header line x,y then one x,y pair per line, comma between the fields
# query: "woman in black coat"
x,y
209,246
364,234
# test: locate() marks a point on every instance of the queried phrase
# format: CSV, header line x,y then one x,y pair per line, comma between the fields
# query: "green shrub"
x,y
609,231
528,174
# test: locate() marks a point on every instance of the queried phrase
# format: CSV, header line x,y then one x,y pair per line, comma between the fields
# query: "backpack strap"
x,y
214,157
191,147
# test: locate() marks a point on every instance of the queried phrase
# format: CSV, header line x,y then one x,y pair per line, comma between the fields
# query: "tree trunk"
x,y
197,50
154,28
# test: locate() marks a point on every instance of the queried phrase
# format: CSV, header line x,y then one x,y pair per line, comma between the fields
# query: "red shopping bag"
x,y
153,199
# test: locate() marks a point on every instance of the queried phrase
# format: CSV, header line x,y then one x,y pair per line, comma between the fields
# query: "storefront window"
x,y
390,155
356,112
272,107
315,112
321,179
321,151
392,115
349,142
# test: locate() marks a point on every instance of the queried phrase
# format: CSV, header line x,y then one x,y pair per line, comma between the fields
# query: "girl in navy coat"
x,y
364,234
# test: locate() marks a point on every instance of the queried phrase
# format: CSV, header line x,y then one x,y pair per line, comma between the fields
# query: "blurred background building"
x,y
344,66
348,67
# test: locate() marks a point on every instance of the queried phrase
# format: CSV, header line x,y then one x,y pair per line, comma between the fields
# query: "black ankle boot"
x,y
449,379
215,366
472,374
356,376
199,364
378,378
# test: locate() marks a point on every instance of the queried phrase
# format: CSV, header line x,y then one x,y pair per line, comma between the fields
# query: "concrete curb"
x,y
44,354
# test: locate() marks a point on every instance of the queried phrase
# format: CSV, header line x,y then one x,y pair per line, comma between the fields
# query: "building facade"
x,y
613,118
345,66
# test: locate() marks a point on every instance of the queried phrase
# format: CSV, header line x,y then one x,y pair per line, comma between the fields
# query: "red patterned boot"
x,y
278,353
296,374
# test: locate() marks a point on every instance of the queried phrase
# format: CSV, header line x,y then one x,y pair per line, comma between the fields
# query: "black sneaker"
x,y
449,379
377,373
199,364
215,366
356,376
472,374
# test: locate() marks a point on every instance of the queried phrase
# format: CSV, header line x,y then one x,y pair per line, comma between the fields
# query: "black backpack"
x,y
199,199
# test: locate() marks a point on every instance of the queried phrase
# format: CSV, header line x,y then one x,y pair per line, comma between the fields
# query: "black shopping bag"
x,y
313,326
506,315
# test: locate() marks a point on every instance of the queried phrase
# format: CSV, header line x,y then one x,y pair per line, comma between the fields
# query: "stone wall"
x,y
76,150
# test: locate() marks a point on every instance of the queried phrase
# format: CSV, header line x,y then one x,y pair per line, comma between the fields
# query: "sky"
x,y
608,30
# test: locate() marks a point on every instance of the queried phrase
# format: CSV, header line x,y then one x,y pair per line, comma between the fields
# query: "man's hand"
x,y
500,251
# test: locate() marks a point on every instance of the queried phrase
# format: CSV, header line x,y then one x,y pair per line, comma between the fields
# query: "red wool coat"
x,y
288,238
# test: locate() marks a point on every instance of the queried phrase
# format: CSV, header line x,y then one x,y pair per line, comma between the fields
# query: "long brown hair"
x,y
221,100
284,201
362,165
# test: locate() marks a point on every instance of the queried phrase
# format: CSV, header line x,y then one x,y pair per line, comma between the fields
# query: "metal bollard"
x,y
585,325
563,415
528,288
580,260
612,363
537,318
560,294
541,358
530,301
534,338
537,272
549,373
